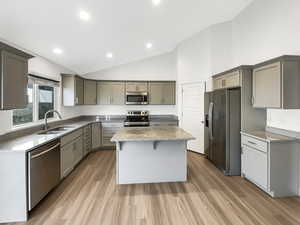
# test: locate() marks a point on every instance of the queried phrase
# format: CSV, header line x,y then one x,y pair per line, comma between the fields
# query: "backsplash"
x,y
284,119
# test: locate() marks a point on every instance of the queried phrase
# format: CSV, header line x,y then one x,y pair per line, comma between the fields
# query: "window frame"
x,y
35,106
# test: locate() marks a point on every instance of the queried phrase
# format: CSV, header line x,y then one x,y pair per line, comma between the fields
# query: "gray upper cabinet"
x,y
227,80
90,92
162,93
72,89
110,93
276,83
13,78
136,86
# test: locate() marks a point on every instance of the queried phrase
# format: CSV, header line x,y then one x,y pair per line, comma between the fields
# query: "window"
x,y
21,116
46,101
41,98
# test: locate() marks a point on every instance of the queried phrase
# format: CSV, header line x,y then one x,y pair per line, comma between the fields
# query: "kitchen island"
x,y
151,155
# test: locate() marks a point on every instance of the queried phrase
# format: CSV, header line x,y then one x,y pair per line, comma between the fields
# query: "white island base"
x,y
151,161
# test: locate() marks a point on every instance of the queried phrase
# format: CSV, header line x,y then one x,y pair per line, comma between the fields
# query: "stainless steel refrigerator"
x,y
222,129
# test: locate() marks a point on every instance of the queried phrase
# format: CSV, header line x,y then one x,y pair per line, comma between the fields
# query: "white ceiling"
x,y
120,26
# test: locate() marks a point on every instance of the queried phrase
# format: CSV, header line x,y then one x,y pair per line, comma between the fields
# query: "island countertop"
x,y
151,134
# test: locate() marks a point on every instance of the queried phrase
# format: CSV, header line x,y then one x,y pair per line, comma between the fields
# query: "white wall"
x,y
264,30
42,67
162,67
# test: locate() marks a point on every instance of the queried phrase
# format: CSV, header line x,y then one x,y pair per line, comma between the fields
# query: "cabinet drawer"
x,y
118,125
106,141
255,143
70,137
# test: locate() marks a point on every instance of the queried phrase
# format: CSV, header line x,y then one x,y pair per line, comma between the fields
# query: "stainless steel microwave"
x,y
137,98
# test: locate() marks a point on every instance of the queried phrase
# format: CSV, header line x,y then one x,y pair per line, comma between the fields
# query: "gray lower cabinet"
x,y
87,139
72,90
13,78
96,135
90,92
71,151
162,93
276,83
272,166
108,131
136,86
110,93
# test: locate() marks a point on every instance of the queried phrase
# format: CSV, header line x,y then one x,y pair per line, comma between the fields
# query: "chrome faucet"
x,y
46,117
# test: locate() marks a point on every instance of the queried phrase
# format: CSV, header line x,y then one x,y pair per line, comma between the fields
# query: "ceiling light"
x,y
109,55
57,51
156,2
84,15
149,45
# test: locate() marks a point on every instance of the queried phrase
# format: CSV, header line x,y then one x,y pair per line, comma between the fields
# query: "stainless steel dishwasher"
x,y
43,172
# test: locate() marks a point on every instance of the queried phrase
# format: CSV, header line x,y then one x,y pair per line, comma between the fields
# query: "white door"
x,y
192,109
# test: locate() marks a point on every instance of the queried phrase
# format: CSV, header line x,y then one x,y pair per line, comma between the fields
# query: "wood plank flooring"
x,y
90,196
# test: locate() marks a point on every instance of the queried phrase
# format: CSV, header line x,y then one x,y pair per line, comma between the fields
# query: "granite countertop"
x,y
151,134
268,136
29,142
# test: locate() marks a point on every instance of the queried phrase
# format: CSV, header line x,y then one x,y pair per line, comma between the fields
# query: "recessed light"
x,y
109,55
84,15
156,2
149,45
57,51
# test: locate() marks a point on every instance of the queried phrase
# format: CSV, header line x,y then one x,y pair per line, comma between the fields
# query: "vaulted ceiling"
x,y
122,27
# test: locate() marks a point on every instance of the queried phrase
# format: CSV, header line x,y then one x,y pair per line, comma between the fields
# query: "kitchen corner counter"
x,y
268,136
151,134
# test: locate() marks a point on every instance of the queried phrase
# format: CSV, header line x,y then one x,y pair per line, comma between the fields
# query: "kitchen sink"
x,y
57,130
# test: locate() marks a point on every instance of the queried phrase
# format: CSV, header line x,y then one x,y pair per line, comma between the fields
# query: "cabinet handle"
x,y
250,142
76,100
252,100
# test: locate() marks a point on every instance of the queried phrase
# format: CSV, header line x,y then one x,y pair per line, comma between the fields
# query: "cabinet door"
x,y
79,91
77,150
90,92
168,97
162,93
267,86
255,166
156,93
67,159
103,94
118,94
136,86
96,135
14,81
232,79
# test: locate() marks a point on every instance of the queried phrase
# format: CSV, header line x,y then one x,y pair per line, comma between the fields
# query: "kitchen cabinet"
x,y
96,135
136,86
71,151
228,80
72,90
162,93
111,93
67,159
108,131
77,150
13,78
271,165
276,83
87,139
90,92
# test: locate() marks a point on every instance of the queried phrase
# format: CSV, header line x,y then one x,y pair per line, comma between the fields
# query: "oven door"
x,y
136,98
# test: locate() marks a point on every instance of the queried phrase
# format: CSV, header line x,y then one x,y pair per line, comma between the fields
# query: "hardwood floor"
x,y
90,196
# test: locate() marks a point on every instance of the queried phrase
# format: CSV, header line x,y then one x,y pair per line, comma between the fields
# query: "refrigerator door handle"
x,y
210,120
